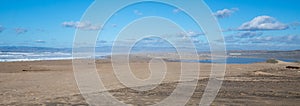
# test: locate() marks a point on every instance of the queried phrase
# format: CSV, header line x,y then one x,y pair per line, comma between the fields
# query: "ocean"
x,y
22,53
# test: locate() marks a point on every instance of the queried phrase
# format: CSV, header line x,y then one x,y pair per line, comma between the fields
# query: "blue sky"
x,y
246,24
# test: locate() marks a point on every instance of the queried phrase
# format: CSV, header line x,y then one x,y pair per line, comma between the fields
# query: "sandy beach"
x,y
191,53
53,83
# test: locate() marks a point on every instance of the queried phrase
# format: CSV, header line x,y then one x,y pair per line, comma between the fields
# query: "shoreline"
x,y
166,59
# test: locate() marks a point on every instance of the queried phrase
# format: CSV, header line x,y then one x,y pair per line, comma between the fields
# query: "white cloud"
x,y
225,12
101,41
69,24
114,25
40,41
263,23
294,25
242,36
20,30
190,34
281,39
248,34
137,12
177,10
81,25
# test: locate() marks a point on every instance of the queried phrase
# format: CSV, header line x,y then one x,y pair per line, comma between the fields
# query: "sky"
x,y
246,24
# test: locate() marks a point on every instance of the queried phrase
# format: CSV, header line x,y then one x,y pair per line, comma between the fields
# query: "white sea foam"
x,y
37,56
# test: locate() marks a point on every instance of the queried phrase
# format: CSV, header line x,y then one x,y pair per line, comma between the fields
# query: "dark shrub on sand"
x,y
272,61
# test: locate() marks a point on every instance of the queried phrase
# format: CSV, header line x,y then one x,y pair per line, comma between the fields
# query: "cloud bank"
x,y
189,34
81,25
248,34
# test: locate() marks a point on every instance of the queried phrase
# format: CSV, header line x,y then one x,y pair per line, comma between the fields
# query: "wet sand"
x,y
53,83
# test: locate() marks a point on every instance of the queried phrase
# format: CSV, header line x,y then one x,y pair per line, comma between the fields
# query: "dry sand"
x,y
53,83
